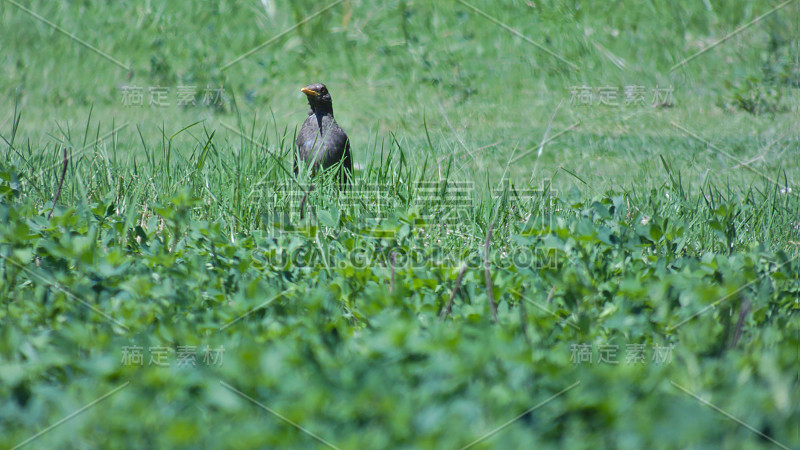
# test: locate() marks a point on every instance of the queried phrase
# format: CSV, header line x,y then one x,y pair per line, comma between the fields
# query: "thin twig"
x,y
523,318
60,184
744,310
303,202
488,273
550,295
392,257
38,260
446,311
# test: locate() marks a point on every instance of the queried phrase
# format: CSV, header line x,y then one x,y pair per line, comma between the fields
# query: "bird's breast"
x,y
323,144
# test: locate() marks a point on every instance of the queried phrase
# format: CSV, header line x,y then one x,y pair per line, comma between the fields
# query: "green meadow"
x,y
570,225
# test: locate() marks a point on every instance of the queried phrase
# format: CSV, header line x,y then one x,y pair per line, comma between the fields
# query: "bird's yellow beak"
x,y
308,91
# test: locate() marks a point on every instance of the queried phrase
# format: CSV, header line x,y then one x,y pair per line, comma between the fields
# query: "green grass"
x,y
663,227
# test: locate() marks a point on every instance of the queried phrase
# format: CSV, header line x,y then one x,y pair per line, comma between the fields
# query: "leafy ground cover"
x,y
515,265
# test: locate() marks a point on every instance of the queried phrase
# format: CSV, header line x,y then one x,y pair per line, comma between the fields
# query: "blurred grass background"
x,y
486,95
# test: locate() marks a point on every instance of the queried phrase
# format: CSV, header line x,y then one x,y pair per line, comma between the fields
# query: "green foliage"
x,y
362,315
320,324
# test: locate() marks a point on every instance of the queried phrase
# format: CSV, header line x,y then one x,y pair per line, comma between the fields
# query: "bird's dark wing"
x,y
347,163
307,137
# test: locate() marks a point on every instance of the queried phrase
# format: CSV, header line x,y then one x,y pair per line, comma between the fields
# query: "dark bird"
x,y
321,142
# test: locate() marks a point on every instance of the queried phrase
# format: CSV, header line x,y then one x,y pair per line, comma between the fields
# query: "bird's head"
x,y
318,97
